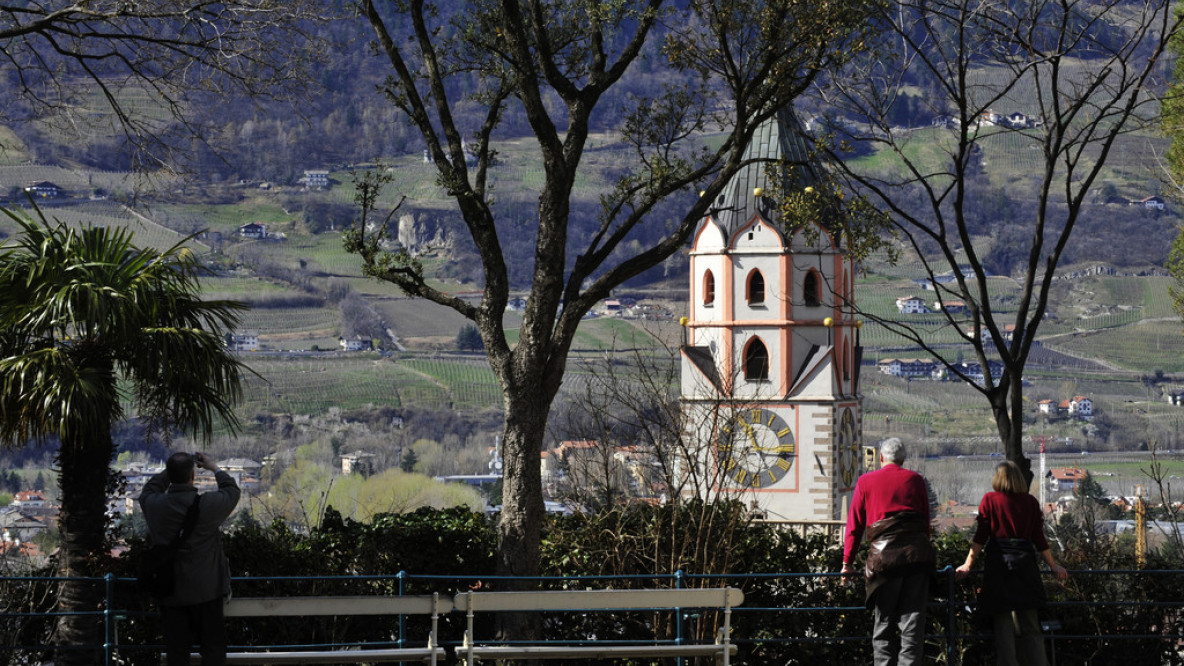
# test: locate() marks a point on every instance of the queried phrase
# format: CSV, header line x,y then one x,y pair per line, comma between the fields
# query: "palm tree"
x,y
93,328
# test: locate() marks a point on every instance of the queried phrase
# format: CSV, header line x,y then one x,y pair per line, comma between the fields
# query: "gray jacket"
x,y
203,572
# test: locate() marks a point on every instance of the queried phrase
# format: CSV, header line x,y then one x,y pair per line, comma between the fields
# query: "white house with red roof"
x,y
1081,407
1064,479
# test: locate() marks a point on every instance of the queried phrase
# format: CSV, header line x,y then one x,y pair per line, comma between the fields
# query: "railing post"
x,y
108,618
402,577
678,615
950,627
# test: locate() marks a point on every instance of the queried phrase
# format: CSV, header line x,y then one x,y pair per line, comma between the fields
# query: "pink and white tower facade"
x,y
770,368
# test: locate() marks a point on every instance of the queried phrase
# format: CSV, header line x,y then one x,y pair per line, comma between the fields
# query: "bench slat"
x,y
598,599
495,652
341,605
330,656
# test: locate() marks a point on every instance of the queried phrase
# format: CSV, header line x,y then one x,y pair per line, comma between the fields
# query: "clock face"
x,y
755,448
848,449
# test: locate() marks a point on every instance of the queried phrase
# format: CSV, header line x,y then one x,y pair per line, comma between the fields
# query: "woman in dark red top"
x,y
1011,531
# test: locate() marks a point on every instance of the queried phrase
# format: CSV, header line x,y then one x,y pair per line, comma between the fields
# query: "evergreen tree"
x,y
469,338
407,464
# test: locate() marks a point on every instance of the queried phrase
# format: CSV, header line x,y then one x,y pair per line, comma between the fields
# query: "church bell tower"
x,y
770,368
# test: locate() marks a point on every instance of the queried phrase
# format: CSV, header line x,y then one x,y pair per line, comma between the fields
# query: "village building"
x,y
44,189
316,178
911,305
355,343
242,341
1064,479
358,462
253,230
909,368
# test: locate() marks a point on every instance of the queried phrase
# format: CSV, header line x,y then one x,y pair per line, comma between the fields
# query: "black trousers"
x,y
200,624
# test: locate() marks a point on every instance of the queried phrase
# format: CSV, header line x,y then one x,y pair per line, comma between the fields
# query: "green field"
x,y
469,384
276,322
1143,347
302,385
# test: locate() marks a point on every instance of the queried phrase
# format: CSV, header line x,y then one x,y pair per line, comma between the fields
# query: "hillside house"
x,y
910,368
242,341
19,526
989,118
243,470
253,230
358,462
30,499
1046,406
973,370
44,189
911,305
1150,203
1017,120
316,178
1064,479
1080,407
355,343
950,307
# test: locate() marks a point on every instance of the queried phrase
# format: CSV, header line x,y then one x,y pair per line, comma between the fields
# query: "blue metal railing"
x,y
1114,609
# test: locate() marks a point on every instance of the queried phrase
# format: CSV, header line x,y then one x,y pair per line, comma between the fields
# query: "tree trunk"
x,y
1007,407
521,525
84,464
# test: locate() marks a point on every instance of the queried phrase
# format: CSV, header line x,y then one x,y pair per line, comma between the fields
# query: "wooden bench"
x,y
345,605
474,651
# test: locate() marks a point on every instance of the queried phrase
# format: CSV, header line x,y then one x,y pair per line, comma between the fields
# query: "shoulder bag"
x,y
156,572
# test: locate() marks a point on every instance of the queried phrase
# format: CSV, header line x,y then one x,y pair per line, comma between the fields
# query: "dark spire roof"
x,y
779,138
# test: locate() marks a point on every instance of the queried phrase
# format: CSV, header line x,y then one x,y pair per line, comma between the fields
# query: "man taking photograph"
x,y
192,614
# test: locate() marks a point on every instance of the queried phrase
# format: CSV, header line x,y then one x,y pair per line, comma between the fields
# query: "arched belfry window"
x,y
708,287
756,361
756,288
812,289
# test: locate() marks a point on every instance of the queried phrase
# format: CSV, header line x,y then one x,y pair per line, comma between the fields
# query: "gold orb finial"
x,y
683,321
758,191
828,322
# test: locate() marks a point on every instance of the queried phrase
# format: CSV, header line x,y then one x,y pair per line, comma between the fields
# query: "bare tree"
x,y
628,407
630,403
1060,81
732,64
70,58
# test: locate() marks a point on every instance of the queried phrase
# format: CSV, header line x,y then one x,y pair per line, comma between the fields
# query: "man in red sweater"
x,y
892,505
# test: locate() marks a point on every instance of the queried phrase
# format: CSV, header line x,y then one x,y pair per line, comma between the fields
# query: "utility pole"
x,y
1040,479
1140,528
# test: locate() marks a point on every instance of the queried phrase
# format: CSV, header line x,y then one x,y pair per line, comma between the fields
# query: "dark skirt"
x,y
1011,577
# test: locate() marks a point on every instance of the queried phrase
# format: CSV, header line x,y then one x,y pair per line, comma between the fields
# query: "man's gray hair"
x,y
892,451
